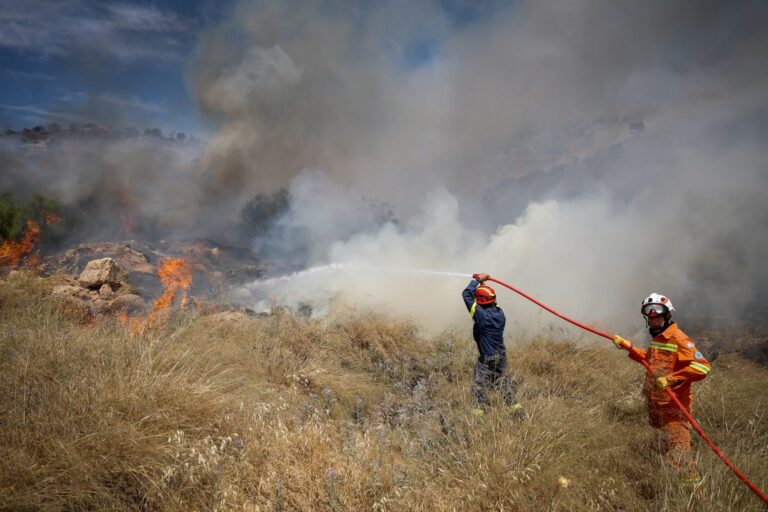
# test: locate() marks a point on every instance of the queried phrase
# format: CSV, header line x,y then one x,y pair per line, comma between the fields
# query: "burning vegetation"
x,y
14,253
176,276
22,252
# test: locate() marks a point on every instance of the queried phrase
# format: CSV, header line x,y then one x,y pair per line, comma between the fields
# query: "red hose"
x,y
669,391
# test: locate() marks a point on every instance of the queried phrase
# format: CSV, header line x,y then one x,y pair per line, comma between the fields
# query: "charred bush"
x,y
260,213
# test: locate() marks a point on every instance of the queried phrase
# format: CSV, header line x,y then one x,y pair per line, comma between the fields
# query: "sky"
x,y
120,63
125,62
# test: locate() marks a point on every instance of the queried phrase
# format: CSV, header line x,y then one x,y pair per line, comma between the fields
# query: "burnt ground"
x,y
214,266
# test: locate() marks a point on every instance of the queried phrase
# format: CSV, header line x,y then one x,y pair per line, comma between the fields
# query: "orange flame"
x,y
176,276
12,253
50,218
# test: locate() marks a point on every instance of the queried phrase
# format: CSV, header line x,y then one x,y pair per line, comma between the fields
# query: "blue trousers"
x,y
489,374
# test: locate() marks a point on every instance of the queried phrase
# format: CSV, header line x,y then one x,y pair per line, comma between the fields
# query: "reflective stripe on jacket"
x,y
672,354
488,330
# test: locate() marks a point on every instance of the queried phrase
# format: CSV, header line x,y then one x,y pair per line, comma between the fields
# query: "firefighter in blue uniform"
x,y
488,332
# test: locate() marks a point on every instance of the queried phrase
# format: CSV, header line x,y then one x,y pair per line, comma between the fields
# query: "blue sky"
x,y
124,62
81,60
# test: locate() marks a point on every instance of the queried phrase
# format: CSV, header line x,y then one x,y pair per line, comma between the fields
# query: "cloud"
x,y
80,107
129,102
117,30
45,113
140,18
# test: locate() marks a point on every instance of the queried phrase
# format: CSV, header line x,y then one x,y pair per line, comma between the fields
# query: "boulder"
x,y
106,291
99,272
128,302
100,306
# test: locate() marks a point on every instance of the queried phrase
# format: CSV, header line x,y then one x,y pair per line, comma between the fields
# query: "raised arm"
x,y
469,294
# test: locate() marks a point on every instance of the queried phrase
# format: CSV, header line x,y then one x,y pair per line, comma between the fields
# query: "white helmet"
x,y
656,304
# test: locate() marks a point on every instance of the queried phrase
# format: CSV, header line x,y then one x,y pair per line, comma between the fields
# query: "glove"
x,y
481,277
662,383
621,342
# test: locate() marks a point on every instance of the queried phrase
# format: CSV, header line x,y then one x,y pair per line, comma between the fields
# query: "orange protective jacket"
x,y
671,354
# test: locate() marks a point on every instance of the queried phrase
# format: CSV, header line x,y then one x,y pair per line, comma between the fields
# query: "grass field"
x,y
217,412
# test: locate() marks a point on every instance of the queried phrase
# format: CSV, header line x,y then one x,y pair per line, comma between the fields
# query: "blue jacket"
x,y
488,330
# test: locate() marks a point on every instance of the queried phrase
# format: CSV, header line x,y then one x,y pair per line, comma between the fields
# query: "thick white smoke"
x,y
588,257
589,154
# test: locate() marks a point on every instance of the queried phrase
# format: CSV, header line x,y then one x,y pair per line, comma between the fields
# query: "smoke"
x,y
590,154
110,188
522,89
592,257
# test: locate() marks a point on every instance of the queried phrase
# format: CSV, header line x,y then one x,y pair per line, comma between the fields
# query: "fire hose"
x,y
669,391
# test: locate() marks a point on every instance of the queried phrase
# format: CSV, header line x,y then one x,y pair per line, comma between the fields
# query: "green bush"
x,y
14,215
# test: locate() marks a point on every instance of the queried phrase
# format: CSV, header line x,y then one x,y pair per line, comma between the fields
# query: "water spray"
x,y
345,267
258,292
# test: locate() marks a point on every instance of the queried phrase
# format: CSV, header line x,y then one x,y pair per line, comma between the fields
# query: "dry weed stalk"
x,y
283,413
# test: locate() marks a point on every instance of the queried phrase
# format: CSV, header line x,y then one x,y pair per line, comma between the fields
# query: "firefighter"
x,y
675,362
488,332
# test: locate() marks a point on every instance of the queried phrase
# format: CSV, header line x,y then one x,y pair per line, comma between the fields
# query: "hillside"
x,y
225,411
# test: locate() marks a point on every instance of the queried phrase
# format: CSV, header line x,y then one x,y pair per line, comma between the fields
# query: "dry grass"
x,y
281,413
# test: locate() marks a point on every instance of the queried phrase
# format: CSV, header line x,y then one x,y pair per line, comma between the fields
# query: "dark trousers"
x,y
489,374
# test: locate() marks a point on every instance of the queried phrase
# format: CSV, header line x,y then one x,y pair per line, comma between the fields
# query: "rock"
x,y
127,258
100,306
86,294
65,290
106,291
99,272
128,302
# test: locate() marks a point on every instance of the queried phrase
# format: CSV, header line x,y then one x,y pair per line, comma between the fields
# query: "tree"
x,y
259,214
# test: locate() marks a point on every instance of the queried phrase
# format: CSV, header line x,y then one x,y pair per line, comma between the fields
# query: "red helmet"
x,y
485,295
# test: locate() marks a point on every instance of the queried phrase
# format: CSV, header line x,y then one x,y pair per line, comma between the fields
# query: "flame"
x,y
12,253
176,276
50,218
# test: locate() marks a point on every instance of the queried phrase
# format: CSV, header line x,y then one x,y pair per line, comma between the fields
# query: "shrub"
x,y
14,215
259,213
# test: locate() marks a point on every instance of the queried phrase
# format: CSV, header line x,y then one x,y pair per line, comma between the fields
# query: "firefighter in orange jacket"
x,y
676,363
